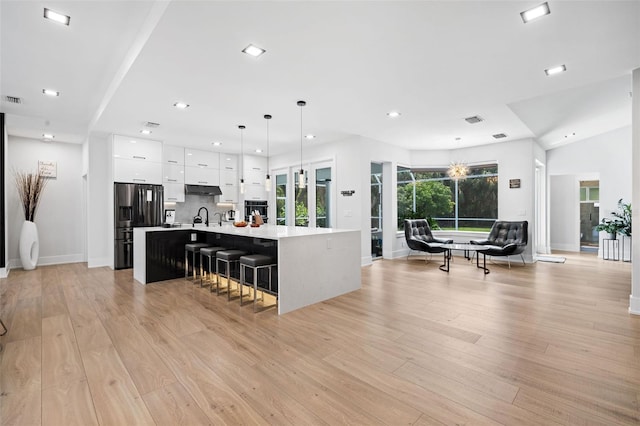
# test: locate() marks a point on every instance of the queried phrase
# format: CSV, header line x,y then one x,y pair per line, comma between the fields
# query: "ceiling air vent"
x,y
473,120
13,99
151,124
499,136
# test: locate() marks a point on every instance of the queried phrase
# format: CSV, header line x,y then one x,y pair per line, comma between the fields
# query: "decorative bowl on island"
x,y
240,224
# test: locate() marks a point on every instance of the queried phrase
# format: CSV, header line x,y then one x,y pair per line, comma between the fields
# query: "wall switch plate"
x,y
194,237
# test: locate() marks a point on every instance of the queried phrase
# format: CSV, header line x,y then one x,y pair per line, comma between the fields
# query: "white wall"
x,y
606,156
57,218
564,213
100,202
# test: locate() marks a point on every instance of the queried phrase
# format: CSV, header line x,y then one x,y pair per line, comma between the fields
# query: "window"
x,y
469,204
301,203
323,197
281,199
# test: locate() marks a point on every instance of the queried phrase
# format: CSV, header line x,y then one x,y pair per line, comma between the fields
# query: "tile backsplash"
x,y
187,210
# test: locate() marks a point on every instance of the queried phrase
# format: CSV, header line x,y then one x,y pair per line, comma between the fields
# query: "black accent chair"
x,y
506,239
419,237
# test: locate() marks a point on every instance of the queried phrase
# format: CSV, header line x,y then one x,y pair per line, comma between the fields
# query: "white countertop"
x,y
272,232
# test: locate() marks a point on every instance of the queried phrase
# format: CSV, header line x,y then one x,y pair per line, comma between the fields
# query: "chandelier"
x,y
458,171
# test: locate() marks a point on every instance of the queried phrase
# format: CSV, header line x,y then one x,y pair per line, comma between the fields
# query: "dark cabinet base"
x,y
165,252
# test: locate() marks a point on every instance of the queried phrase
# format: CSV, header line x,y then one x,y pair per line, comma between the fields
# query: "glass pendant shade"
x,y
301,179
242,186
267,183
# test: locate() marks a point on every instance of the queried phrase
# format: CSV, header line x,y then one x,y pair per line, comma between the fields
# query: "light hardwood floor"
x,y
537,345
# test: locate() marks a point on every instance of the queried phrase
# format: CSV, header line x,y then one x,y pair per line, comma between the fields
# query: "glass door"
x,y
376,210
589,214
281,199
323,197
301,201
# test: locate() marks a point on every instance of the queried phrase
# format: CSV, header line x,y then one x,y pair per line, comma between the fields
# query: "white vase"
x,y
29,245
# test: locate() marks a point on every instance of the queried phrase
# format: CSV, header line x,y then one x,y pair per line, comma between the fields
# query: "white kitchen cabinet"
x,y
137,149
201,176
173,173
228,162
254,163
173,155
198,158
136,171
229,193
255,178
255,192
229,177
173,192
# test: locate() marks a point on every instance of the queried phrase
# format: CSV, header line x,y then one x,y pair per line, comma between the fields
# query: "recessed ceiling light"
x,y
555,70
57,17
258,150
47,137
181,105
394,114
216,143
310,136
145,131
536,12
254,51
132,141
50,92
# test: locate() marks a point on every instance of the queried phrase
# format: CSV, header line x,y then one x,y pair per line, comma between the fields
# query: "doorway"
x,y
376,210
589,214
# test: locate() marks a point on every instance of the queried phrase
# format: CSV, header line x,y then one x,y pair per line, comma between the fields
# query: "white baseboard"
x,y
50,260
565,247
98,262
4,272
366,261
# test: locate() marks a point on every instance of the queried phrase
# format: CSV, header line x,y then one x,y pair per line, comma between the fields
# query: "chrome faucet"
x,y
220,216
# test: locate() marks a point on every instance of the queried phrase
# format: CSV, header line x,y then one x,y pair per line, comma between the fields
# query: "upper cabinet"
x,y
173,155
137,149
228,162
136,160
198,158
254,163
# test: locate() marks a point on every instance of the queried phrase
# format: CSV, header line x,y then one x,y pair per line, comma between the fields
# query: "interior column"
x,y
634,299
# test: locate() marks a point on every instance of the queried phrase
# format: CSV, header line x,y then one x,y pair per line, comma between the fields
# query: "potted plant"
x,y
30,187
620,223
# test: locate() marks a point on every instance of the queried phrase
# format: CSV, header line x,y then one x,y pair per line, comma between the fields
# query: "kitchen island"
x,y
314,264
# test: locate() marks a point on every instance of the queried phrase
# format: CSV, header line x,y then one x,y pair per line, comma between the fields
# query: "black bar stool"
x,y
256,262
210,254
193,248
229,258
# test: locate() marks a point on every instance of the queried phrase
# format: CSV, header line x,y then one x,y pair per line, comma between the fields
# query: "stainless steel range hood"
x,y
202,190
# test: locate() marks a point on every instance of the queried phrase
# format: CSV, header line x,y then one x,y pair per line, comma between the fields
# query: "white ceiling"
x,y
123,63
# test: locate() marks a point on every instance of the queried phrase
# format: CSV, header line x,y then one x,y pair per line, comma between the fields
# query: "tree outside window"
x,y
470,204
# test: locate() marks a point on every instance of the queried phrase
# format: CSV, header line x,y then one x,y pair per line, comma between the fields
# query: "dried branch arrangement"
x,y
30,187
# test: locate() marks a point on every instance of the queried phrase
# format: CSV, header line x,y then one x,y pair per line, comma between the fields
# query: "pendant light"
x,y
267,182
241,127
301,173
458,170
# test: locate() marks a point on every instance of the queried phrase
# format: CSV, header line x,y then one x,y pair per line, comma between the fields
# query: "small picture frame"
x,y
48,169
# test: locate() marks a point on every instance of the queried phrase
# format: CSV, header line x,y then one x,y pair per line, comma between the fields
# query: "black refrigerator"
x,y
135,205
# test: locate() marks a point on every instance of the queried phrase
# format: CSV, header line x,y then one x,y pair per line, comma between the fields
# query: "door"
x,y
376,210
589,214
